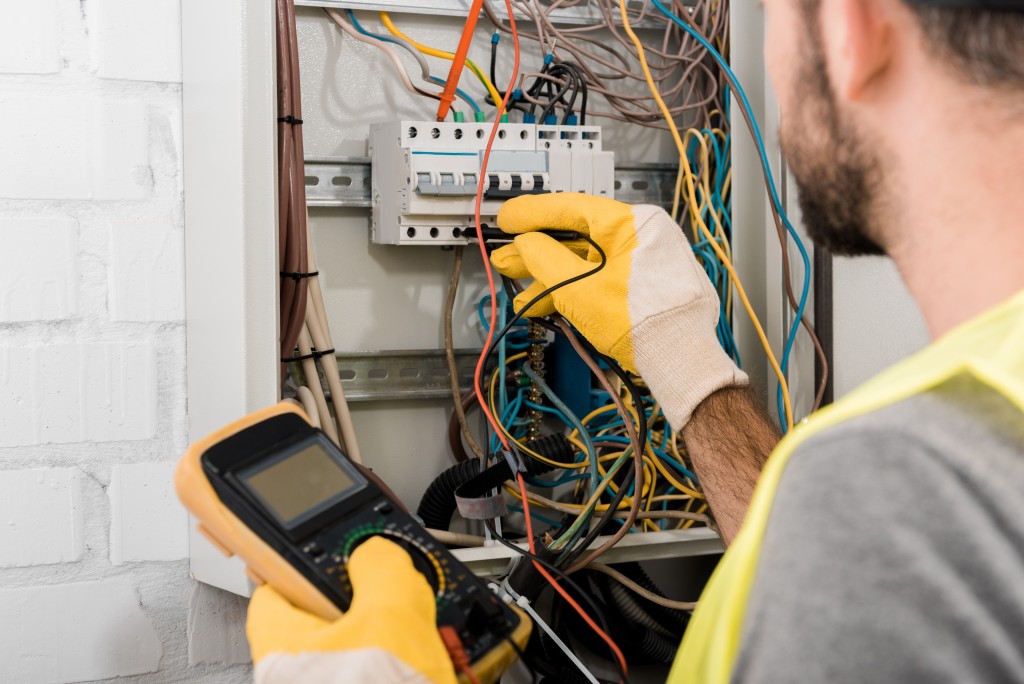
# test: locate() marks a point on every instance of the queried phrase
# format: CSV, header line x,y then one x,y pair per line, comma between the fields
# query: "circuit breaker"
x,y
426,174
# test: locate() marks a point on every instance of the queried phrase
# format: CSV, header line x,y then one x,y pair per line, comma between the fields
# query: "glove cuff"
x,y
679,357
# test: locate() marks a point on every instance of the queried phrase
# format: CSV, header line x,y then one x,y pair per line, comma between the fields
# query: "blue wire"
x,y
759,141
538,516
433,79
561,481
657,452
548,409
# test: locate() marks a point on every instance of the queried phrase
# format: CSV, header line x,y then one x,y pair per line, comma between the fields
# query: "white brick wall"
x,y
38,269
40,517
93,578
77,632
28,37
146,520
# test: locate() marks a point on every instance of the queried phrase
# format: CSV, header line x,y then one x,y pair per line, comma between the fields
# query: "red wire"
x,y
477,375
476,222
558,587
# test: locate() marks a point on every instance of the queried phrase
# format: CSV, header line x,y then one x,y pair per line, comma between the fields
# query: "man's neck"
x,y
959,237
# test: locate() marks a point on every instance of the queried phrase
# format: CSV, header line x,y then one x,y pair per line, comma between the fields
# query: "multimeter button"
x,y
384,508
213,540
314,549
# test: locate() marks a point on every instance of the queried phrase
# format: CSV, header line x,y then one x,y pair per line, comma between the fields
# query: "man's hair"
x,y
985,46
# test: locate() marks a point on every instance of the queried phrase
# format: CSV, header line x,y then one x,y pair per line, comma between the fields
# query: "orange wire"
x,y
558,587
448,94
478,373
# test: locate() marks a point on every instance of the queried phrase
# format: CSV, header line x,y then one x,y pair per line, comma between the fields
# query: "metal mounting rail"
x,y
402,375
345,182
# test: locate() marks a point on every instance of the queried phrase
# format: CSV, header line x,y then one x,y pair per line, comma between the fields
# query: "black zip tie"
x,y
314,354
298,276
289,120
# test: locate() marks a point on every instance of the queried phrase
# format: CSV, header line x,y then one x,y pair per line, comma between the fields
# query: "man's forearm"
x,y
728,438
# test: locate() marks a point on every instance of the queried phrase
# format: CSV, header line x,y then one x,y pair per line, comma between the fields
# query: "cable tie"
x,y
313,354
289,120
515,461
298,276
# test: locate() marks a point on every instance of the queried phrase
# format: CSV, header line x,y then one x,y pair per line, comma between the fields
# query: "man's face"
x,y
838,174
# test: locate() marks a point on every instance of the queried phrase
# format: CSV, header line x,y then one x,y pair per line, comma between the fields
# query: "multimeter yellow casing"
x,y
222,478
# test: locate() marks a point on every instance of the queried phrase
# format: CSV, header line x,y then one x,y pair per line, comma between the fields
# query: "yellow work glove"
x,y
651,307
388,634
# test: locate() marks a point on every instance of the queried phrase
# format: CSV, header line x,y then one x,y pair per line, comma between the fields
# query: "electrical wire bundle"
x,y
689,82
304,332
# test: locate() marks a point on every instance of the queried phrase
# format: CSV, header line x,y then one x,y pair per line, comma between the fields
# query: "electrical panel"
x,y
426,176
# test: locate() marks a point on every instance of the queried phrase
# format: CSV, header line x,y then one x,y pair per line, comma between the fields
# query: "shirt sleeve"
x,y
882,562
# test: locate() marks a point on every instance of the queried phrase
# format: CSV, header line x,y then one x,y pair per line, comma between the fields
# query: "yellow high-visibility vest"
x,y
989,348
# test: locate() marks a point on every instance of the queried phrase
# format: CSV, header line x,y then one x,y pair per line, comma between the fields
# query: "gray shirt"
x,y
895,549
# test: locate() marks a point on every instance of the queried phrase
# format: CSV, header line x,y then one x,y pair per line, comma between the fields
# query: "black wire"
x,y
596,612
574,72
570,557
519,315
571,79
584,88
642,433
550,106
494,59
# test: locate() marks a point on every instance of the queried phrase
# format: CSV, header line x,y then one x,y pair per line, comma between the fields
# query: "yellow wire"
x,y
434,52
519,443
740,291
672,497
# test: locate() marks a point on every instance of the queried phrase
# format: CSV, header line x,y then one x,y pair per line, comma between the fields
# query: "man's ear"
x,y
858,44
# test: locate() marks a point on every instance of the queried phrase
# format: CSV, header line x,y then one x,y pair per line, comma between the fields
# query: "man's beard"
x,y
838,175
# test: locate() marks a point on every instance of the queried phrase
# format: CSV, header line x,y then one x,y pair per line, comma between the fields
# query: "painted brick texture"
x,y
94,581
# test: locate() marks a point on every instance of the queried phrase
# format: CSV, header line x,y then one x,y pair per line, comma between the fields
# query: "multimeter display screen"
x,y
299,483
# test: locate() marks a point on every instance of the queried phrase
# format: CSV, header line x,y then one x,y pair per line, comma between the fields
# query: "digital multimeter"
x,y
279,493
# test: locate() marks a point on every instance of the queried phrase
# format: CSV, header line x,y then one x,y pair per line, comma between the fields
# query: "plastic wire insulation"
x,y
434,52
449,351
568,414
320,332
638,437
464,46
769,177
409,46
403,74
459,61
640,591
562,592
740,290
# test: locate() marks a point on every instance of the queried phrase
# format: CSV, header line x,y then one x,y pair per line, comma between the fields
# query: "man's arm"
x,y
728,438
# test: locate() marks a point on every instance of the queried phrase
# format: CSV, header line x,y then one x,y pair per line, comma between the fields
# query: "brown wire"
x,y
292,224
634,438
453,367
680,61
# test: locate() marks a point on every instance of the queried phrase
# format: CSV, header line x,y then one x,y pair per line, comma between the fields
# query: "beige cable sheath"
x,y
309,370
640,591
403,73
320,331
307,401
456,538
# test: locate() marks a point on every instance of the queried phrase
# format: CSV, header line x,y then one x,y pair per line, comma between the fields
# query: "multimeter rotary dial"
x,y
422,559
